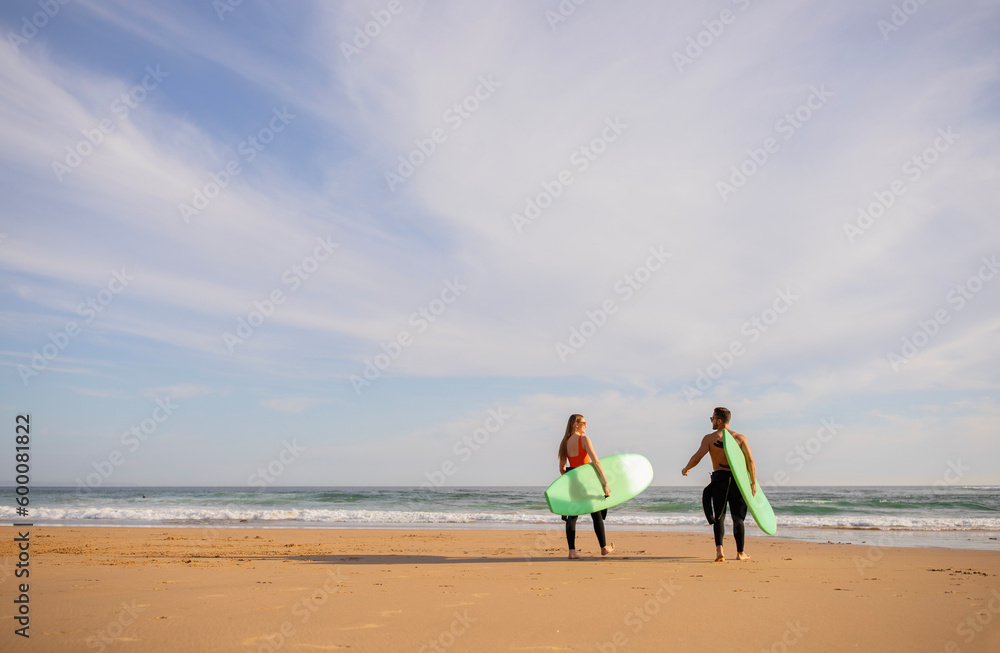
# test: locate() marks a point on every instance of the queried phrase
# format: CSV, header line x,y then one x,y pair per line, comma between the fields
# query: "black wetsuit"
x,y
583,458
721,490
598,518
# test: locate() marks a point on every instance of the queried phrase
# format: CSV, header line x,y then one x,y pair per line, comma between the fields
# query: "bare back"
x,y
714,443
716,450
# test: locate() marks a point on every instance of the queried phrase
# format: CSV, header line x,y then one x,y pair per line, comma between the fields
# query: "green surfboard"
x,y
579,491
758,504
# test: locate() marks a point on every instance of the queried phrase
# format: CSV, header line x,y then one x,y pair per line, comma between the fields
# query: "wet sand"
x,y
193,589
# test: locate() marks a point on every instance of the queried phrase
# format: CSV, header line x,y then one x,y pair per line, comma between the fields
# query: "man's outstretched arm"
x,y
698,455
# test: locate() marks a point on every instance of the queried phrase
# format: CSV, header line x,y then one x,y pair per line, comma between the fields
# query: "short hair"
x,y
723,414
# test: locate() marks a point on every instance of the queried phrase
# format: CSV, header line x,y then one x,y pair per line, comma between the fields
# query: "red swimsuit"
x,y
581,458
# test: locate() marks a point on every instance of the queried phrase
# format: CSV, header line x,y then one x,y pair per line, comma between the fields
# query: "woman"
x,y
576,449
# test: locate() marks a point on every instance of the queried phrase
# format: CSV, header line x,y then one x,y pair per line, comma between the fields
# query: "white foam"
x,y
244,514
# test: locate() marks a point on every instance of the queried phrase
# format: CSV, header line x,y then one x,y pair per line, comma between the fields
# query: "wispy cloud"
x,y
245,263
179,391
292,404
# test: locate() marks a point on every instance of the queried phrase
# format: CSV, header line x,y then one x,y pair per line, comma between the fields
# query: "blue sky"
x,y
214,222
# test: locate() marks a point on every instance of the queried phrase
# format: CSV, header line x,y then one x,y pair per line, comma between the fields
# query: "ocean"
x,y
951,517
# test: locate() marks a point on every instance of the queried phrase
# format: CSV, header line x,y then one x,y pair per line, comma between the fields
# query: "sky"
x,y
399,243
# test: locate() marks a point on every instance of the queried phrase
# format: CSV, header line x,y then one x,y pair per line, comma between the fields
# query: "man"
x,y
722,488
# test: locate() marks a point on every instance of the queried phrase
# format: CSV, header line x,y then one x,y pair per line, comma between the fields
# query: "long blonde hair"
x,y
573,419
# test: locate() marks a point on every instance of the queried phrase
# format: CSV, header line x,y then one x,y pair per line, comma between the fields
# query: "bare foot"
x,y
573,555
605,550
720,558
742,556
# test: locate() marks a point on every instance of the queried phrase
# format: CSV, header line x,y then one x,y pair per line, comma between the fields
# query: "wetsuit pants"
x,y
721,490
598,518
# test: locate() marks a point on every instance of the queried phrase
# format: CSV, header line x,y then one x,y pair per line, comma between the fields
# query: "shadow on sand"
x,y
403,559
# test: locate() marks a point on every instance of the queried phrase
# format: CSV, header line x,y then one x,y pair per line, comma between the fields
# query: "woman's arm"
x,y
562,464
597,463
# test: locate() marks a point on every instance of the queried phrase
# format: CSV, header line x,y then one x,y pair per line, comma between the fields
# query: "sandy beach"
x,y
187,589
